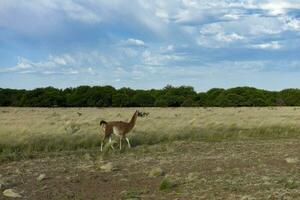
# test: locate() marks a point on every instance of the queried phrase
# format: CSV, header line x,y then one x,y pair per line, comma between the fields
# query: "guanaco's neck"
x,y
133,120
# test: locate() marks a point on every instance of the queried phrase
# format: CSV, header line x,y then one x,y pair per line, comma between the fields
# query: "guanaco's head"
x,y
138,113
142,114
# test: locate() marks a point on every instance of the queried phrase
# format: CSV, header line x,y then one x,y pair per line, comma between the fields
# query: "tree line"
x,y
169,96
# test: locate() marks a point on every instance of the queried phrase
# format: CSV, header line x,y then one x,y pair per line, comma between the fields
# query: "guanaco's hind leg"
x,y
128,142
103,142
111,144
121,143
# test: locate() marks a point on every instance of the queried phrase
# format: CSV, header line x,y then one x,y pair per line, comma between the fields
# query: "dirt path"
x,y
226,170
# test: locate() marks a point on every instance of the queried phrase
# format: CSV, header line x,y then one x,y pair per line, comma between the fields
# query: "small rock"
x,y
265,178
156,171
247,197
219,169
203,180
18,171
45,187
2,183
41,177
108,167
11,193
87,156
281,194
292,160
192,176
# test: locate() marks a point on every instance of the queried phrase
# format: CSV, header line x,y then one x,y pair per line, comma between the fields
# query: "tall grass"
x,y
25,132
218,135
46,143
65,142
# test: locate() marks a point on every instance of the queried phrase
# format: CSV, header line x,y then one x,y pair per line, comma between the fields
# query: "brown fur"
x,y
119,128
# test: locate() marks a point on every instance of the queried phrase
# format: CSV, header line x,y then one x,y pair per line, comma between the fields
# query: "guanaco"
x,y
118,128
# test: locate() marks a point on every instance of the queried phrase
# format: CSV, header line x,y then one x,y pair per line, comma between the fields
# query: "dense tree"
x,y
188,102
169,96
212,95
290,97
43,97
144,99
161,102
120,100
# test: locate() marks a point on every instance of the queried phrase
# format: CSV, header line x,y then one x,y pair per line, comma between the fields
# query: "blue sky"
x,y
149,44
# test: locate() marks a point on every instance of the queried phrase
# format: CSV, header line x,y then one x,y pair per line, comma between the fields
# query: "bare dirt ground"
x,y
262,169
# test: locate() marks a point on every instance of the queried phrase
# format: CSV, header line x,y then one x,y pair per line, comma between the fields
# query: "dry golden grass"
x,y
54,129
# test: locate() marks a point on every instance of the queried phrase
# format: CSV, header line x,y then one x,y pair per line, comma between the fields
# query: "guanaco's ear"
x,y
139,114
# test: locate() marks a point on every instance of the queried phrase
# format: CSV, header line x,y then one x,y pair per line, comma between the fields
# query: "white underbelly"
x,y
117,131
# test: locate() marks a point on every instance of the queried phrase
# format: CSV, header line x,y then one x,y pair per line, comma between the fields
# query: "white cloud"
x,y
213,28
198,17
64,59
129,52
230,17
256,26
156,58
279,7
218,39
23,64
168,48
132,39
163,18
52,65
72,72
228,37
275,8
294,24
79,12
133,42
290,23
76,63
190,3
237,67
91,71
42,17
270,45
163,15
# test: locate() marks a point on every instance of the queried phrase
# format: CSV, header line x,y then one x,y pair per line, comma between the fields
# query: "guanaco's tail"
x,y
102,122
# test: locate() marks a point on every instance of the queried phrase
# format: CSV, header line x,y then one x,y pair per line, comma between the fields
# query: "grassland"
x,y
196,153
28,131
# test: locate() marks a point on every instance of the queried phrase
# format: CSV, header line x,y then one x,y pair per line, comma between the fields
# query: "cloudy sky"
x,y
149,44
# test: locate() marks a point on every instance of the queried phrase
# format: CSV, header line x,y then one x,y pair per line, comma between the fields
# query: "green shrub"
x,y
166,184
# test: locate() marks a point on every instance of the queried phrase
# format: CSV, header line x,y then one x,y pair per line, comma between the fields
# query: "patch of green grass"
x,y
292,184
167,184
289,184
133,194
